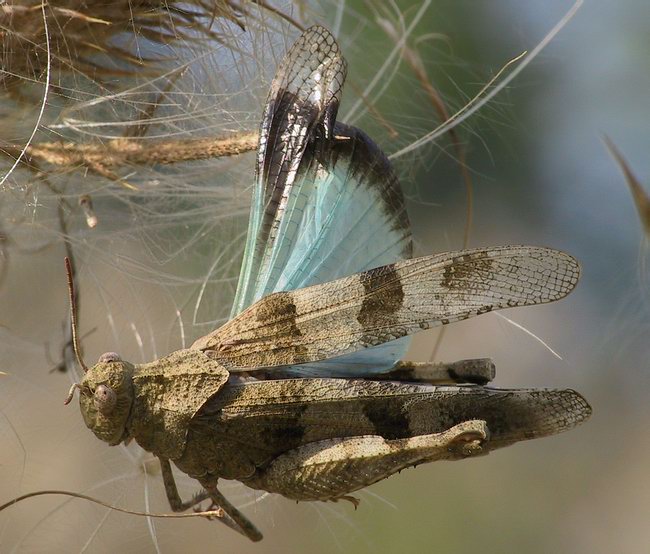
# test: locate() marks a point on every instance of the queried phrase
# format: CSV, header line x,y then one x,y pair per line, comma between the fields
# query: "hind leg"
x,y
334,468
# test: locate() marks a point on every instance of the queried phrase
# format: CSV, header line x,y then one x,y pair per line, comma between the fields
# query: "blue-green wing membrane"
x,y
326,203
302,103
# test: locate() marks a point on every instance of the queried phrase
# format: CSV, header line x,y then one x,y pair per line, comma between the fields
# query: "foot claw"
x,y
219,513
355,501
469,442
472,448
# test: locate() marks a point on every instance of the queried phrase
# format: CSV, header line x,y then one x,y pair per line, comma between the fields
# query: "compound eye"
x,y
109,357
104,399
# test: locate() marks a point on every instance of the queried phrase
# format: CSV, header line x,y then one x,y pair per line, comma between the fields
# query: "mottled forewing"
x,y
387,303
284,414
303,99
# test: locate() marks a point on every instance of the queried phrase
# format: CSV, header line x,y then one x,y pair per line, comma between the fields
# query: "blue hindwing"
x,y
326,203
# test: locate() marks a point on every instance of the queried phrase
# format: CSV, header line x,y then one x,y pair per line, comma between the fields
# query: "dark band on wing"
x,y
369,167
280,307
384,298
380,305
390,420
323,407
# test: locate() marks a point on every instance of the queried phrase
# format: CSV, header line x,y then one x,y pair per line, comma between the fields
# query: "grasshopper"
x,y
303,392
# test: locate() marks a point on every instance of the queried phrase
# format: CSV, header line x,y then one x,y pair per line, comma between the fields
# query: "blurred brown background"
x,y
160,267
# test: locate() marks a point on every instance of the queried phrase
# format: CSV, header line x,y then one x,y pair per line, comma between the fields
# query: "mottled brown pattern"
x,y
389,302
278,307
467,269
251,417
383,299
389,421
332,469
323,438
168,393
276,314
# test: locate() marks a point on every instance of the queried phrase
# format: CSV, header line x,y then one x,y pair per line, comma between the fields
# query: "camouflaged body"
x,y
155,401
243,428
185,408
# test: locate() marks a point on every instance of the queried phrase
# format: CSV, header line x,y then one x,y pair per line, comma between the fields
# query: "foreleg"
x,y
231,517
175,501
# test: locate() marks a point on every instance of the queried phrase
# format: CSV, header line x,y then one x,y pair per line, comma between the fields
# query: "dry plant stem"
x,y
413,59
78,36
70,345
69,338
438,104
639,195
485,95
126,151
73,313
265,5
206,514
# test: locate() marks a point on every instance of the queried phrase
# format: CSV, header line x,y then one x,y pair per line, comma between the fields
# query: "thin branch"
x,y
126,151
479,100
208,514
46,88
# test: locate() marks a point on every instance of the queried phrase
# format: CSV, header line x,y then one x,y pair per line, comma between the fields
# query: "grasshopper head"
x,y
106,398
106,390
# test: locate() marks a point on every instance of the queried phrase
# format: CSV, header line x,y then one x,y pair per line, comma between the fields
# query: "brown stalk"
x,y
639,195
126,151
78,30
208,514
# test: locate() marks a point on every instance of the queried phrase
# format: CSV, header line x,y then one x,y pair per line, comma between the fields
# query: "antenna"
x,y
73,314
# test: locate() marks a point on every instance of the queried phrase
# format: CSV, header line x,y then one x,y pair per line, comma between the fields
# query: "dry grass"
x,y
639,195
95,38
101,159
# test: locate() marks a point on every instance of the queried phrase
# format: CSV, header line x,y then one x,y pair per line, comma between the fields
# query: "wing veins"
x,y
377,306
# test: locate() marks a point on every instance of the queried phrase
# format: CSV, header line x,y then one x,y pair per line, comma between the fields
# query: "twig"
x,y
124,151
205,514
